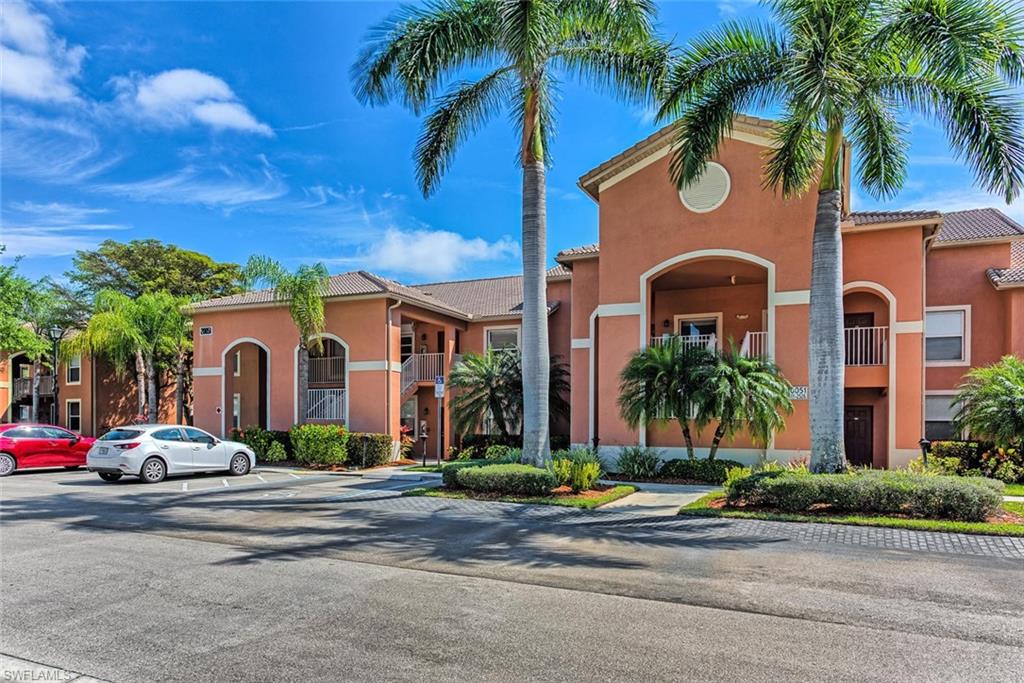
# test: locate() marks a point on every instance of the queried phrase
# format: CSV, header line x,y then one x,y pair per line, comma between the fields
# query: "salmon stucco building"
x,y
723,262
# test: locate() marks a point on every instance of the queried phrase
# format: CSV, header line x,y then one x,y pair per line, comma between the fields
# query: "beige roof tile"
x,y
875,217
978,224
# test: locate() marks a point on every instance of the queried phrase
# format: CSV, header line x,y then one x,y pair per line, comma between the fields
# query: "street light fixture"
x,y
55,333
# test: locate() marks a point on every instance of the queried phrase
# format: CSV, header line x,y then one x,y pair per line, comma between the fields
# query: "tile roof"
x,y
978,224
875,217
468,299
1006,277
578,252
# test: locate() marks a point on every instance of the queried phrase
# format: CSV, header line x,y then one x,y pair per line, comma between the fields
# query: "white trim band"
x,y
369,365
581,343
207,372
793,297
908,327
616,310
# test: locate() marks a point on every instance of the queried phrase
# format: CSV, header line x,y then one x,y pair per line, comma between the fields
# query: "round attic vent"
x,y
708,192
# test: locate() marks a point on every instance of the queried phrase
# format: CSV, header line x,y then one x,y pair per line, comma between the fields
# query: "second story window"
x,y
237,364
501,338
947,335
75,370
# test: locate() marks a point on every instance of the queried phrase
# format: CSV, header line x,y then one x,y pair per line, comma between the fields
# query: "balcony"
x,y
22,387
706,341
421,367
755,345
327,370
866,346
326,405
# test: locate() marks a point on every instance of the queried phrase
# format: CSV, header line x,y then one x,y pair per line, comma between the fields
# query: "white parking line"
x,y
224,481
184,486
294,476
261,479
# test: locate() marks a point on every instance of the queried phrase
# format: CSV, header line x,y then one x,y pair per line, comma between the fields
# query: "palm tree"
x,y
133,332
841,71
991,403
522,46
737,392
558,387
663,381
42,308
304,291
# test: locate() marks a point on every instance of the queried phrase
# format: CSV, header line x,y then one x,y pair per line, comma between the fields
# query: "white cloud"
x,y
181,97
55,150
37,65
729,9
223,187
951,200
429,253
53,229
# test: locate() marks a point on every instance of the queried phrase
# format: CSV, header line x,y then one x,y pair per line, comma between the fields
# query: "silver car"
x,y
151,452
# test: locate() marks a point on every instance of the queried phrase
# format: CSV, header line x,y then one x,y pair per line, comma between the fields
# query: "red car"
x,y
23,446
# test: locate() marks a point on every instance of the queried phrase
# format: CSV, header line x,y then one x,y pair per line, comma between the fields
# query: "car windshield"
x,y
120,435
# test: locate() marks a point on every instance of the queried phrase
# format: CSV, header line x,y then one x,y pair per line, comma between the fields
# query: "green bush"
x,y
369,449
500,452
638,462
483,441
578,469
710,471
449,470
523,480
972,458
734,474
314,444
872,492
275,453
261,440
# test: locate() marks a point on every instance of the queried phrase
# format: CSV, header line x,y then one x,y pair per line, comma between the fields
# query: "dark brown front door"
x,y
857,425
859,320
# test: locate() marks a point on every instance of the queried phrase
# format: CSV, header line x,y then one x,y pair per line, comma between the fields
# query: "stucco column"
x,y
1014,299
449,355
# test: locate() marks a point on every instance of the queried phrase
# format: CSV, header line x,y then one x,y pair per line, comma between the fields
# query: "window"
x,y
237,363
198,436
168,435
121,435
408,416
501,338
24,371
938,417
54,433
24,413
19,433
947,335
73,415
75,370
236,411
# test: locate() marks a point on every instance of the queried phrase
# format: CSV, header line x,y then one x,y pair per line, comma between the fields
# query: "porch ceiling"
x,y
711,273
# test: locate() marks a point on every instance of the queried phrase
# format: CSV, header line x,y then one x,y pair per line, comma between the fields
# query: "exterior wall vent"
x,y
709,191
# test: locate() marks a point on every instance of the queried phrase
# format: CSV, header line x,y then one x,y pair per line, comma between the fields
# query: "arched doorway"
x,y
246,386
327,393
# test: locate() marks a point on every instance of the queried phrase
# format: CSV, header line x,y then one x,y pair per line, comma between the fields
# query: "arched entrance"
x,y
245,385
327,393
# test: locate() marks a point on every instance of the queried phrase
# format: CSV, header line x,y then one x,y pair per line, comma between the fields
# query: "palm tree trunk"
x,y
715,442
499,417
36,370
826,332
303,397
140,381
687,439
151,415
536,363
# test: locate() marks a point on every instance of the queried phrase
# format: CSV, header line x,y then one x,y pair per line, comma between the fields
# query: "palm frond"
x,y
880,140
634,71
796,159
528,29
621,20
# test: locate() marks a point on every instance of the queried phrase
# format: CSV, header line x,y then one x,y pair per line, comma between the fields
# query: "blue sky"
x,y
231,128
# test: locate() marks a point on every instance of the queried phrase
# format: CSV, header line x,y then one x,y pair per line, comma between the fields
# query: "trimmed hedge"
x,y
969,499
260,441
276,452
369,449
710,471
523,480
449,470
314,444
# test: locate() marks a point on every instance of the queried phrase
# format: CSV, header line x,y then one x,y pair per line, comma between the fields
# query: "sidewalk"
x,y
15,669
657,500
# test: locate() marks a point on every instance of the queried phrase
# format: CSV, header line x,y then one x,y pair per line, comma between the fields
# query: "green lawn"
x,y
700,508
587,503
1014,490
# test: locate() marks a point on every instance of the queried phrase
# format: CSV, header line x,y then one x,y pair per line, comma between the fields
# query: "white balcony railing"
x,y
326,405
707,341
23,386
867,345
421,367
327,370
755,345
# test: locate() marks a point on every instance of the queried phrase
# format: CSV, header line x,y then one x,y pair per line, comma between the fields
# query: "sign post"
x,y
439,395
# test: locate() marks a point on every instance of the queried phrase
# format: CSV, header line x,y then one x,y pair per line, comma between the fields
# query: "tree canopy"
x,y
147,266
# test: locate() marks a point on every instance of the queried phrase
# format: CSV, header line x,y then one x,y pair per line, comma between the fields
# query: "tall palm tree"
x,y
842,71
663,381
523,47
133,332
304,291
558,387
990,403
737,392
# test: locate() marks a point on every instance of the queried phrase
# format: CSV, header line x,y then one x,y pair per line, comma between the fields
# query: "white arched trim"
x,y
890,298
295,377
733,254
223,360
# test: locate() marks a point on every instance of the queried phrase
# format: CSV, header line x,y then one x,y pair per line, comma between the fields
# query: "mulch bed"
x,y
1002,517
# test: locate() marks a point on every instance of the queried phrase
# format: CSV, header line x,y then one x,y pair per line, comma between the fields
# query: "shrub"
x,y
522,480
275,453
256,438
709,471
501,452
871,491
369,449
578,469
314,444
638,462
483,441
734,474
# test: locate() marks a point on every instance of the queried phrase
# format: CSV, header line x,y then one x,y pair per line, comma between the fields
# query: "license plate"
x,y
102,450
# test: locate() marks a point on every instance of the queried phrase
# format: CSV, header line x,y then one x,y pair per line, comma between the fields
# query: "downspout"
x,y
924,315
387,366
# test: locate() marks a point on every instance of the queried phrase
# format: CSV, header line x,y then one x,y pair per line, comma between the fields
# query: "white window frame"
x,y
74,363
415,400
236,368
236,411
947,393
67,414
487,335
717,316
965,359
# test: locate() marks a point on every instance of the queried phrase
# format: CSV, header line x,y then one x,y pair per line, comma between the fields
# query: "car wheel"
x,y
153,471
7,464
110,476
239,465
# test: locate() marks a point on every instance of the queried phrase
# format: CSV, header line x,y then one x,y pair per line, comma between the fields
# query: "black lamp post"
x,y
55,333
926,447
